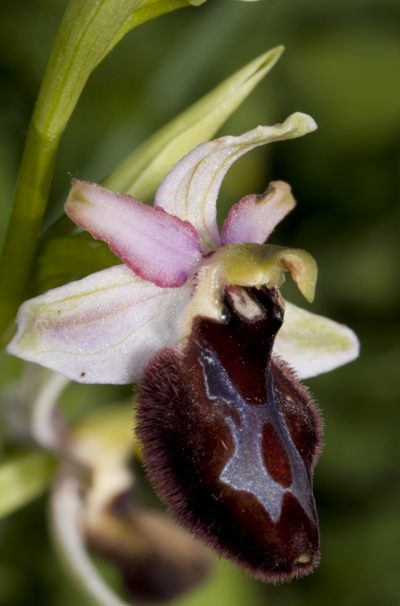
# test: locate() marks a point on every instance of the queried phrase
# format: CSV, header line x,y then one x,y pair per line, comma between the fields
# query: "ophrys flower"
x,y
105,328
229,436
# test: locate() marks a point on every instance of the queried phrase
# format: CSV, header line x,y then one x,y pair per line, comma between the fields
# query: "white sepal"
x,y
102,329
313,344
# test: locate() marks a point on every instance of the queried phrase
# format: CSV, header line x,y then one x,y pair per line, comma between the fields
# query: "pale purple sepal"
x,y
155,245
102,329
313,344
190,189
255,216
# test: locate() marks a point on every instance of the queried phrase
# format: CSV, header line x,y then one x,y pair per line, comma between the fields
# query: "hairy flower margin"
x,y
107,326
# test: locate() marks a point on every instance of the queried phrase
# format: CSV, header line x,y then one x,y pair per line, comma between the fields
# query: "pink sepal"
x,y
157,246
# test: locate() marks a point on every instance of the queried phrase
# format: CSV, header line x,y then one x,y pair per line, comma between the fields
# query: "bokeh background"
x,y
342,66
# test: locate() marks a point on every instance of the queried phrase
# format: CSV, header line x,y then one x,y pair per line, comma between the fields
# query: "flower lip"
x,y
249,496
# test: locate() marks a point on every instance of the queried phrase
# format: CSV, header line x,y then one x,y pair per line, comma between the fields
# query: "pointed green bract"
x,y
143,171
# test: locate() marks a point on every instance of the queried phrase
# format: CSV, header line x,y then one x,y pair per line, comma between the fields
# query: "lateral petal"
x,y
190,189
313,344
102,329
255,216
155,245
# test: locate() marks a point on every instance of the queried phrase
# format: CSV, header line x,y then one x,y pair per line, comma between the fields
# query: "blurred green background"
x,y
342,66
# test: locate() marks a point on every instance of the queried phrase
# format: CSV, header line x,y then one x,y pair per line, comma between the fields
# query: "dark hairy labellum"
x,y
230,439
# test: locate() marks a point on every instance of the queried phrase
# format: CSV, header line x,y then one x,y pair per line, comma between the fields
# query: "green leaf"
x,y
22,479
64,258
150,10
89,30
142,172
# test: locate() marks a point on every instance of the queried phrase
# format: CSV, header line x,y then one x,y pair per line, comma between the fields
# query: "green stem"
x,y
25,223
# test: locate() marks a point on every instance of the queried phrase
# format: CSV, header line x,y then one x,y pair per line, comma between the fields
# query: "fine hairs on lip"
x,y
230,439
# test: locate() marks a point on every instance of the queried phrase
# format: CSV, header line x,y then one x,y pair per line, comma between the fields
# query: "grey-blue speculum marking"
x,y
230,438
246,469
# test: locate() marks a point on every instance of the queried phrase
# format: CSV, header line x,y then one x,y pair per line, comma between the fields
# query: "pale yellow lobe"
x,y
313,344
262,264
309,330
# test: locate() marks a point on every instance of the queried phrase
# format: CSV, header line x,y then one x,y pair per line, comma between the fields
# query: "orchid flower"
x,y
230,438
106,327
